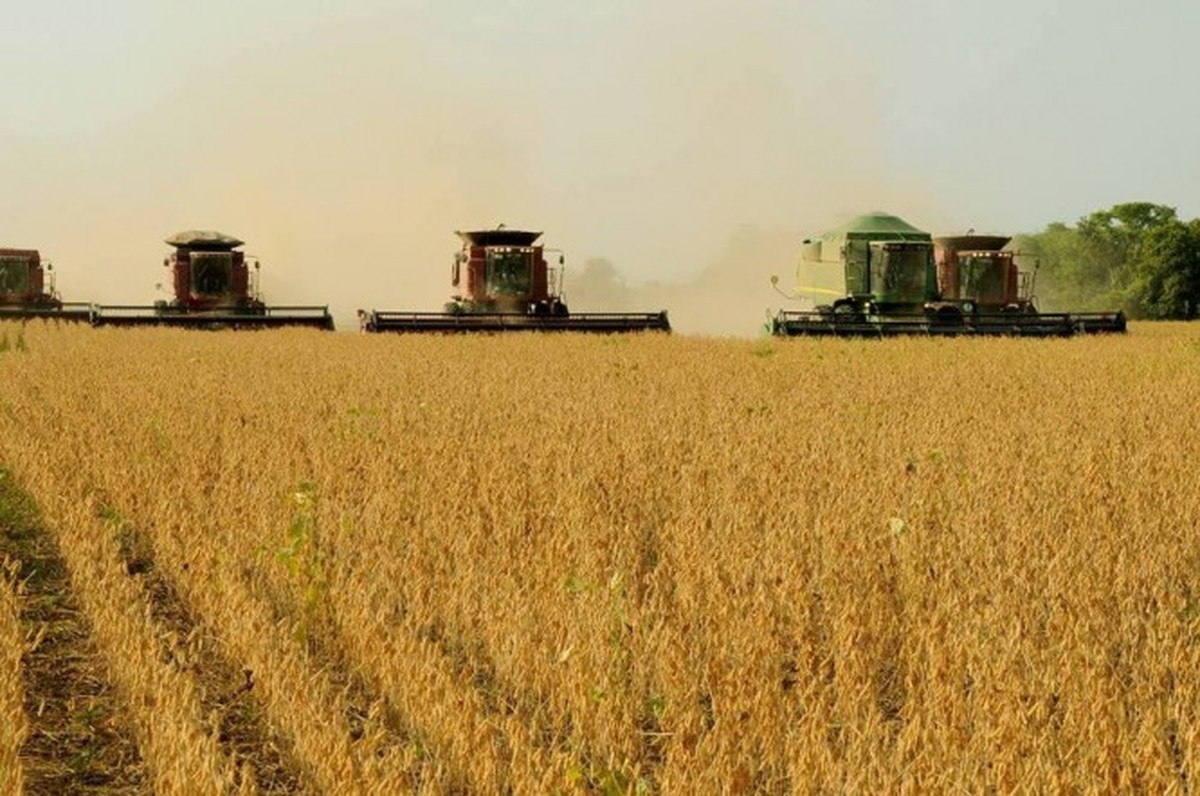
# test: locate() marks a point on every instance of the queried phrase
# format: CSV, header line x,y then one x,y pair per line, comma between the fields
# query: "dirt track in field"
x,y
227,690
79,741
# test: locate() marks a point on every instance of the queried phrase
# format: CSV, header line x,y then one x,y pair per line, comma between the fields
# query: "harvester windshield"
x,y
14,275
212,273
509,271
900,272
984,277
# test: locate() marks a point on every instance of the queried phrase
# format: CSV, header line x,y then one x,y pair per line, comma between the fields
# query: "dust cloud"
x,y
692,152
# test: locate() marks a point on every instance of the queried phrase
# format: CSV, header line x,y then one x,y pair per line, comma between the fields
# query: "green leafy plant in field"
x,y
576,585
365,422
304,560
608,781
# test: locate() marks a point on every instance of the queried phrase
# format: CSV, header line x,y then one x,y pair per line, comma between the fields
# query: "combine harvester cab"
x,y
873,277
997,297
214,288
27,289
505,285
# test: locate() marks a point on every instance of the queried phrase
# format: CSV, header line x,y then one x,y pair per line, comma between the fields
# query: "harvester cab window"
x,y
212,272
901,272
509,272
984,278
857,258
14,275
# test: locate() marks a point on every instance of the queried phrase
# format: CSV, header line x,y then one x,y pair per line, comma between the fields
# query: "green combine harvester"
x,y
877,276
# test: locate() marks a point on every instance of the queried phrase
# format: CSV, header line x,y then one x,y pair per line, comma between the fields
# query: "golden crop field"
x,y
302,562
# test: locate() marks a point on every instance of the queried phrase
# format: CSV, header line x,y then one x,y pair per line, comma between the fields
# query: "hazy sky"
x,y
346,141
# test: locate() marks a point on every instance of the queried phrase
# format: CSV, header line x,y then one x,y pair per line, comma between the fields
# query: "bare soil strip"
x,y
79,741
226,689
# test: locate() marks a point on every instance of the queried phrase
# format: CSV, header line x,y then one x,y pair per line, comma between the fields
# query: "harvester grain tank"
x,y
27,289
214,286
505,284
979,273
874,276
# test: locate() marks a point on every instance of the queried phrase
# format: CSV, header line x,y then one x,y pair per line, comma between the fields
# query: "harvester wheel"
x,y
559,309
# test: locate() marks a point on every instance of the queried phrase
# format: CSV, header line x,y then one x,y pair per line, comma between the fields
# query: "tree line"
x,y
1138,256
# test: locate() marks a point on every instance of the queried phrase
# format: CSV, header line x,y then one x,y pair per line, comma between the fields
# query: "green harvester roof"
x,y
876,226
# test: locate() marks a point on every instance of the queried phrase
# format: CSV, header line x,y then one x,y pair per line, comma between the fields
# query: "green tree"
x,y
1113,240
1138,256
1165,275
1056,250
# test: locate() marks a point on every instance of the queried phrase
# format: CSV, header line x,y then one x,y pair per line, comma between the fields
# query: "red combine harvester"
x,y
505,285
976,268
215,287
27,289
977,273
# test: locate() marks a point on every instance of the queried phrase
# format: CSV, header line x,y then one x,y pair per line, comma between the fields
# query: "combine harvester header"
x,y
505,285
27,289
879,276
214,288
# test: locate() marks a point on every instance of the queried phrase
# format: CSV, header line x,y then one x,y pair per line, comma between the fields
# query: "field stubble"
x,y
639,564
